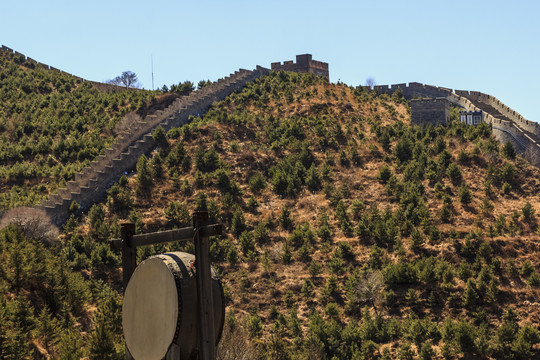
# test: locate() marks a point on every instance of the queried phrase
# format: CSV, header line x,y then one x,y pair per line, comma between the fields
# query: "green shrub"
x,y
314,268
417,240
247,244
301,234
285,218
446,213
156,165
238,223
411,297
526,268
343,218
261,233
160,138
308,289
201,203
254,326
234,146
177,214
286,253
528,212
74,207
232,256
257,182
406,352
252,204
313,178
144,177
534,280
454,173
384,174
206,160
465,195
509,151
403,149
399,273
355,157
526,338
508,173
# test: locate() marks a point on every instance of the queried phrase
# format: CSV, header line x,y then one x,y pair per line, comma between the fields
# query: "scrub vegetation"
x,y
349,233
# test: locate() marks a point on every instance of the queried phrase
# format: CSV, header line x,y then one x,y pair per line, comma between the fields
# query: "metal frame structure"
x,y
200,233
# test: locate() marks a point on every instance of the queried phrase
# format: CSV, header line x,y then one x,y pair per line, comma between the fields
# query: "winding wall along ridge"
x,y
507,124
91,184
100,86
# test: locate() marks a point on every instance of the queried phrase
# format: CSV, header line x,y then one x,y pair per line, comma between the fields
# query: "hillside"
x,y
51,126
350,234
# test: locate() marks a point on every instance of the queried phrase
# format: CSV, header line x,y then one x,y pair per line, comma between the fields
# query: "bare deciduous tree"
x,y
532,155
235,344
35,223
128,79
370,81
369,288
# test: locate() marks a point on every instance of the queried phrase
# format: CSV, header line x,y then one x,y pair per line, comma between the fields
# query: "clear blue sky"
x,y
489,46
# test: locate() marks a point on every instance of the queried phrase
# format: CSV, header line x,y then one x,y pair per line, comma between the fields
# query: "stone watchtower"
x,y
304,64
430,111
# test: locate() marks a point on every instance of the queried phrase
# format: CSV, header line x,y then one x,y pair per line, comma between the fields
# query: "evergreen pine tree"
x,y
144,177
102,344
70,346
46,328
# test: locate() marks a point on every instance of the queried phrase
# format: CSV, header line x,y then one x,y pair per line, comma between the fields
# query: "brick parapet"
x,y
304,64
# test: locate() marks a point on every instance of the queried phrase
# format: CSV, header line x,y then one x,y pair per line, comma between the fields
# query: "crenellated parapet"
x,y
304,64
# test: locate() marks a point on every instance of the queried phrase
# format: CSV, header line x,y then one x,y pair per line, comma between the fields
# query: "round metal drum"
x,y
160,307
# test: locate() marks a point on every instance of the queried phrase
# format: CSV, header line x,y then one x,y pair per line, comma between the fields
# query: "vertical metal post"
x,y
129,260
207,343
129,253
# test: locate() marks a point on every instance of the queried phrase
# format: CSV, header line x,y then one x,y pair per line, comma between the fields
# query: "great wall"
x,y
100,86
507,124
90,185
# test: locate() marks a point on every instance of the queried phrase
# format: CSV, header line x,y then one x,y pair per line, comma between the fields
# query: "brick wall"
x,y
304,64
430,111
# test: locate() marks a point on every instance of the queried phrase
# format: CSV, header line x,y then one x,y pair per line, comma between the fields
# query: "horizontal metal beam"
x,y
160,237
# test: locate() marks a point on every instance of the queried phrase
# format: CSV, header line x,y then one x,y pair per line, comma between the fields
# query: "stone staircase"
x,y
91,184
487,108
521,135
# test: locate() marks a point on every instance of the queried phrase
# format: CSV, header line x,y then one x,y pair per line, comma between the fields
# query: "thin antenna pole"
x,y
152,60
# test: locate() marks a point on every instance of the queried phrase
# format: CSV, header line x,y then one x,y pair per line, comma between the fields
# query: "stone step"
x,y
65,203
47,203
63,191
